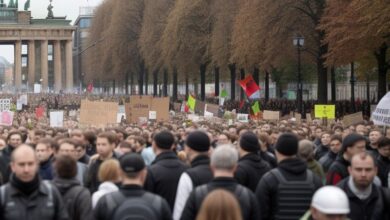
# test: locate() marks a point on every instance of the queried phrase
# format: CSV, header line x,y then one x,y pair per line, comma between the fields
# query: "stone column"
x,y
57,66
18,64
44,66
31,64
69,66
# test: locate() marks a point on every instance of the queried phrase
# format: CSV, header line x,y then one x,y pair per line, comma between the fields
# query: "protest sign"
x,y
152,115
161,106
5,104
200,107
243,118
39,112
37,88
56,119
325,111
19,105
381,115
23,99
139,106
214,109
352,119
119,117
271,115
6,118
98,113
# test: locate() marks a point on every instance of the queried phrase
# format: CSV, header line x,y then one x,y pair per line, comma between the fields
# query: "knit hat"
x,y
198,141
131,163
350,140
164,140
249,142
287,144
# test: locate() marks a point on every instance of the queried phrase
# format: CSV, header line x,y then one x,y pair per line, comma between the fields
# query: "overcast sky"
x,y
38,8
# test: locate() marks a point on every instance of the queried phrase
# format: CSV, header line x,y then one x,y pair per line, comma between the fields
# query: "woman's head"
x,y
220,205
109,171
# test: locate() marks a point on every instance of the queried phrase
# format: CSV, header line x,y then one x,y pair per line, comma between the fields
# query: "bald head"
x,y
24,163
23,150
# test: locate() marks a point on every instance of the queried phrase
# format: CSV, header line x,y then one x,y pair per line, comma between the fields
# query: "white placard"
x,y
381,115
152,115
119,117
57,119
5,104
208,114
121,109
24,99
242,118
19,105
72,113
37,88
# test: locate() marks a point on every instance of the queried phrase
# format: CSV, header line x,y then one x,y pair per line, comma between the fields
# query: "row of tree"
x,y
209,40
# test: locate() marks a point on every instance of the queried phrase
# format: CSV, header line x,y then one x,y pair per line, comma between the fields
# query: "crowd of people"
x,y
184,170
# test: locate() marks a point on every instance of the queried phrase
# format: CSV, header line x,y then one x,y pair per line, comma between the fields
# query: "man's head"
x,y
44,149
223,138
249,143
24,163
80,149
353,144
329,203
67,146
14,139
362,170
361,129
132,168
65,166
77,135
325,138
384,147
223,160
318,132
38,134
335,143
163,141
286,146
374,137
105,144
197,142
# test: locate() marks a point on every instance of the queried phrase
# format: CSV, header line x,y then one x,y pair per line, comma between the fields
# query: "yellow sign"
x,y
325,111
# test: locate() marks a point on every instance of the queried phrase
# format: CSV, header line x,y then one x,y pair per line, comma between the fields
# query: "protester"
x,y
223,164
306,153
44,151
81,153
334,148
132,201
77,199
14,139
220,205
374,137
197,146
323,148
26,188
292,201
383,160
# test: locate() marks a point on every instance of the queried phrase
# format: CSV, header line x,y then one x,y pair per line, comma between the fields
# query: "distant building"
x,y
5,72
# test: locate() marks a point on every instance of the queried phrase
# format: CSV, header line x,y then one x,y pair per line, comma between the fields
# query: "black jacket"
x,y
163,176
337,171
269,158
320,151
383,169
5,158
191,208
92,182
85,159
37,203
104,211
266,191
372,208
77,199
200,172
250,169
327,160
46,169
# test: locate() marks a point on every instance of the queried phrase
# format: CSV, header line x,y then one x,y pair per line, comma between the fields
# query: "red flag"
x,y
242,104
39,112
249,85
90,87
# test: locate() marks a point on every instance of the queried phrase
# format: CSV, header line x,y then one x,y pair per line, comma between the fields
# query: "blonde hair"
x,y
219,205
109,171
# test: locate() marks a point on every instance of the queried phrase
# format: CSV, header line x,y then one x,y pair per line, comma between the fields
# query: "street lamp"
x,y
299,41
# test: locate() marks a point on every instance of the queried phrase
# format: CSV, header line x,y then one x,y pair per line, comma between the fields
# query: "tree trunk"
x,y
174,84
382,70
242,76
127,83
232,68
322,82
216,80
165,86
368,89
155,82
146,81
187,88
131,84
256,73
202,70
266,93
113,86
333,83
353,80
141,79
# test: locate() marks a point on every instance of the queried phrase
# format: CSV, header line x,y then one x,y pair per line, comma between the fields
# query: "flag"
x,y
39,112
242,104
90,87
223,94
191,102
256,108
250,87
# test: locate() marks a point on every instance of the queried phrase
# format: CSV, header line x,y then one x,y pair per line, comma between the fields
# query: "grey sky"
x,y
38,8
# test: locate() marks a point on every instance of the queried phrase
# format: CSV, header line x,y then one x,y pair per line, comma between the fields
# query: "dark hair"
x,y
48,142
90,136
65,166
110,136
383,142
66,141
41,133
336,137
14,133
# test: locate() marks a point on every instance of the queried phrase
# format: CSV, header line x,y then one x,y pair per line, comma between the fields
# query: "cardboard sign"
x,y
98,113
214,109
243,118
298,117
140,106
177,107
5,104
6,118
161,106
152,115
325,111
352,119
308,118
56,119
271,115
200,107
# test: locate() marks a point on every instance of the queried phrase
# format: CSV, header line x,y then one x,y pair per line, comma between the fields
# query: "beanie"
x,y
164,140
198,141
350,140
249,142
287,144
131,163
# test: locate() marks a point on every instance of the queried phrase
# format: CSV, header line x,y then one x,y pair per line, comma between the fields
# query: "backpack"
x,y
70,199
145,207
294,197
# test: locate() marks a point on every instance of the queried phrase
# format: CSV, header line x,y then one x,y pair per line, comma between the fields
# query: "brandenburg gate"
x,y
49,55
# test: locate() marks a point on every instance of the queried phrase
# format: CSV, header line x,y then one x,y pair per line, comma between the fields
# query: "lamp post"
x,y
299,41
